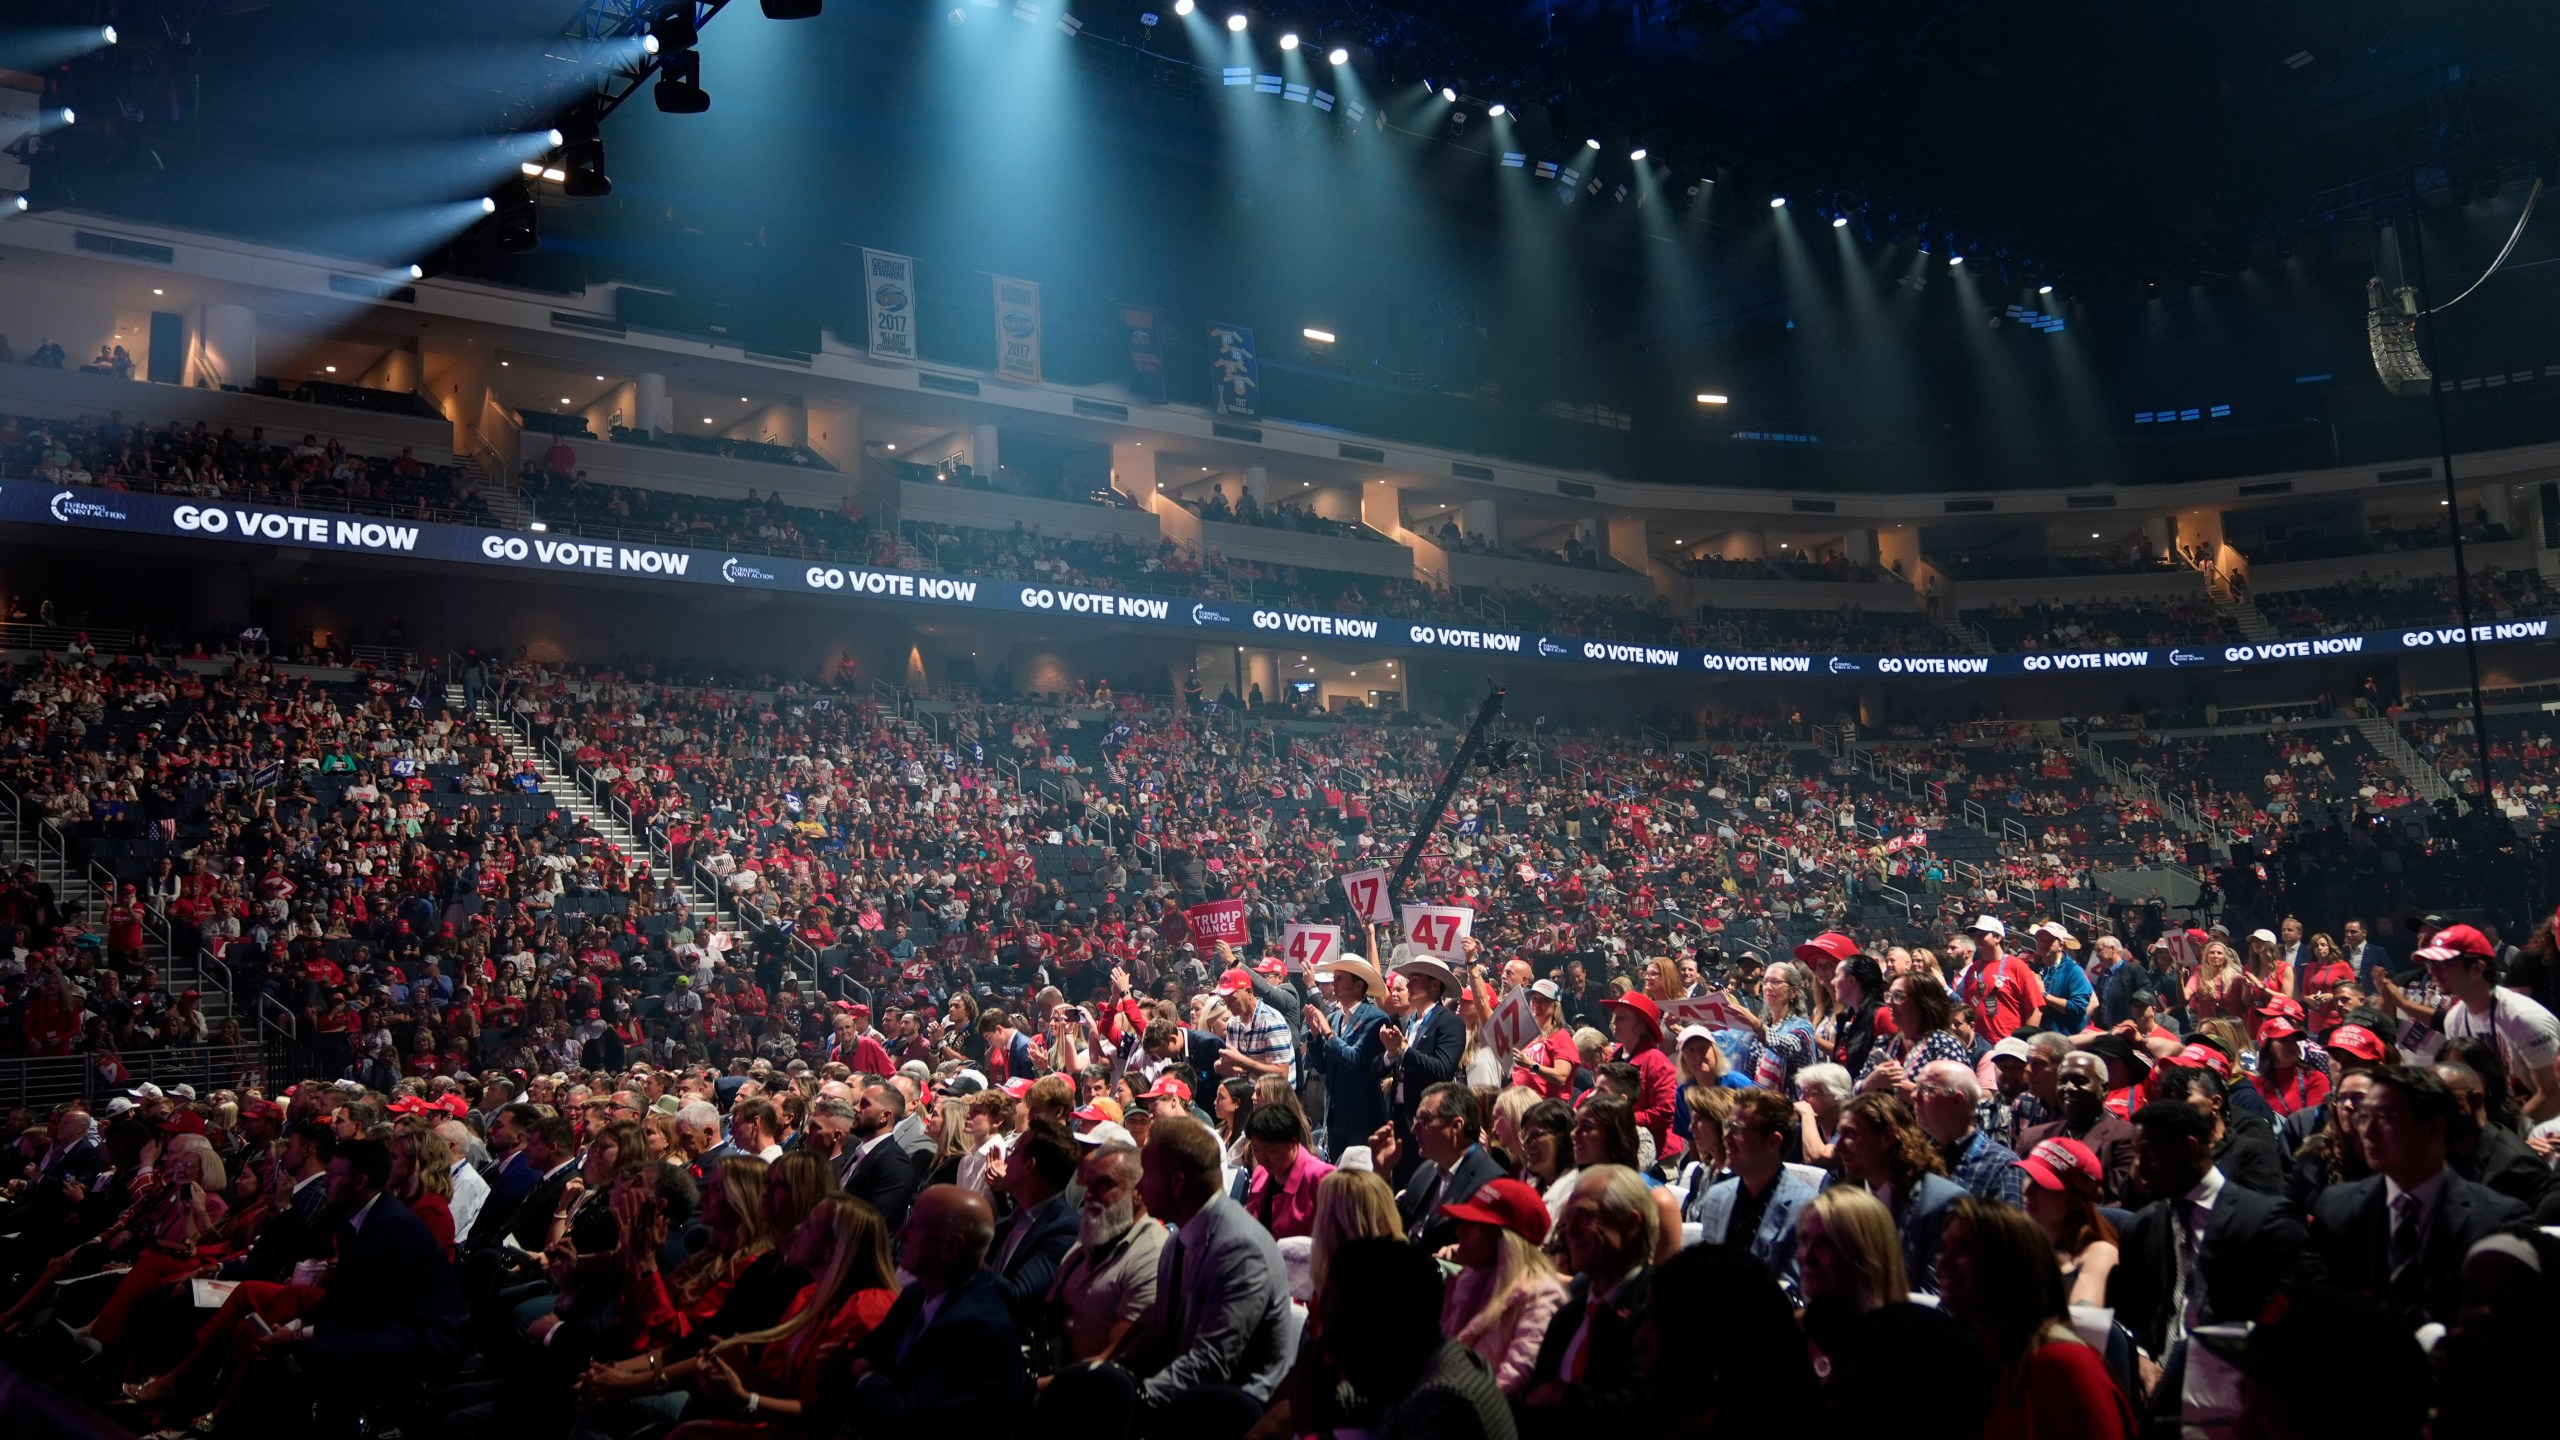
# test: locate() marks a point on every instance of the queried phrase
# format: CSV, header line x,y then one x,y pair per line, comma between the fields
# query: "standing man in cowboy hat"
x,y
1344,1046
1425,1049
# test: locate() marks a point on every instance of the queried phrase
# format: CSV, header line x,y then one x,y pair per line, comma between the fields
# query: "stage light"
x,y
1184,7
2044,289
68,117
1496,110
107,33
557,139
680,89
538,528
488,205
18,203
792,9
1638,153
1712,400
674,25
529,169
1337,56
1590,144
1236,23
1321,337
1449,93
1287,42
1954,260
649,43
417,272
1777,202
583,158
1839,222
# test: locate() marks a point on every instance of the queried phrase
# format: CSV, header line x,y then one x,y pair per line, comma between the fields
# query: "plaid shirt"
x,y
1987,1169
1264,1036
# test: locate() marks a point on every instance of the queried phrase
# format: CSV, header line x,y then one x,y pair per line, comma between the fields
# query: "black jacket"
x,y
393,1292
961,1375
2253,1243
1051,1228
1609,1392
1433,1230
887,1178
2502,1162
2250,1155
2351,1242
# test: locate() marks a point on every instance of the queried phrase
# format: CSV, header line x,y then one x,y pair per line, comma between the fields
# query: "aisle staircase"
x,y
2391,745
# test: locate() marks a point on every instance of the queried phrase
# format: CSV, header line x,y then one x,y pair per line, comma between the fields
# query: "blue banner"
x,y
1235,371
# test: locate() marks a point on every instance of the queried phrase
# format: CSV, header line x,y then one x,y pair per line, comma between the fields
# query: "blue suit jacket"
x,y
960,1375
1432,1051
393,1291
1920,1215
1774,1243
1349,1059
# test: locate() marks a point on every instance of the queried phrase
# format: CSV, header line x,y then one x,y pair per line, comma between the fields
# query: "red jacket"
x,y
1657,1096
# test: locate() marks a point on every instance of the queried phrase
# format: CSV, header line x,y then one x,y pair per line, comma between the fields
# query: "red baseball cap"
x,y
2284,1005
1164,1086
1018,1086
1829,945
1506,1202
2203,1057
2062,1163
2357,1041
1236,979
2278,1028
1272,966
2454,941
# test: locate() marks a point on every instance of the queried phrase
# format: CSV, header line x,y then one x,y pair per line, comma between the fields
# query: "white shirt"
x,y
469,1191
356,1221
2528,1035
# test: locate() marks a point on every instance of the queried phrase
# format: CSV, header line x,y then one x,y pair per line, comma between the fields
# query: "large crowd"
x,y
966,1119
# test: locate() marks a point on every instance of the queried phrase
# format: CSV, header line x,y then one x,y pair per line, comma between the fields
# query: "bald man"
x,y
1222,1293
946,1358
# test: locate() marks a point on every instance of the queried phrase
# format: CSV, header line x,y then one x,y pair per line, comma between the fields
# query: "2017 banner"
x,y
889,287
1146,356
1235,371
1018,329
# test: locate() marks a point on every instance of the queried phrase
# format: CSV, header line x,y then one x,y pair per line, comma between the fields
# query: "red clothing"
x,y
2308,1087
2005,994
1657,1096
437,1211
782,1367
2068,1393
1555,1048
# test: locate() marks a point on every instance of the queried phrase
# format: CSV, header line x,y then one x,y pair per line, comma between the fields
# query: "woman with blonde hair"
x,y
1509,1104
1849,1251
950,1129
1506,1288
1349,1204
844,1247
660,1310
422,1177
2220,988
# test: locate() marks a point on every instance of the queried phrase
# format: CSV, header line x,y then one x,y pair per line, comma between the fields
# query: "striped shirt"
x,y
1264,1037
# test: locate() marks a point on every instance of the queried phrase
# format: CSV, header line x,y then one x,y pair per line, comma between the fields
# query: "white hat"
x,y
146,1091
1357,1157
1430,966
2267,935
1545,990
1694,1032
1105,1133
183,1092
118,1106
1988,925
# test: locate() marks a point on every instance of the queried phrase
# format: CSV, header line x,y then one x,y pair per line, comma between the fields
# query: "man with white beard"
x,y
1108,1281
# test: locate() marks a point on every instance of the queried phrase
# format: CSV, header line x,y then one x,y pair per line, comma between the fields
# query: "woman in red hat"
x,y
1506,1288
2288,1084
1638,1024
2064,1178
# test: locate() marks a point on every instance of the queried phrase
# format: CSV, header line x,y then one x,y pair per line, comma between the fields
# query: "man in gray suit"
x,y
1222,1312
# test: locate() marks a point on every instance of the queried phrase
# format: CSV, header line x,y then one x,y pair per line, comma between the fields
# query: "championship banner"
x,y
1217,920
1018,330
1369,898
1707,1010
1439,930
889,287
1146,358
1311,947
1235,372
